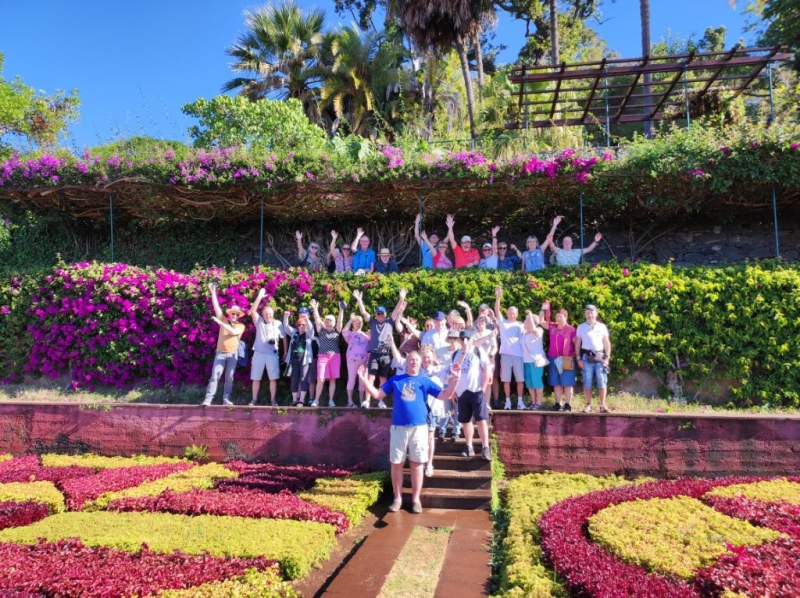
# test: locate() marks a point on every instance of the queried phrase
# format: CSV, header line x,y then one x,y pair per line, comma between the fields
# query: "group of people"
x,y
445,373
359,257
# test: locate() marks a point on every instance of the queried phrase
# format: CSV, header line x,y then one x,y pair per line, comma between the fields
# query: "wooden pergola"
x,y
634,89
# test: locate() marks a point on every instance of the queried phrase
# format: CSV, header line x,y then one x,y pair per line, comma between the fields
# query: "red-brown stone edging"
x,y
664,445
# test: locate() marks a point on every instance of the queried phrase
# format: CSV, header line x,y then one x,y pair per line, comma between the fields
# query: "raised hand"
x,y
298,235
403,293
557,220
545,305
450,221
498,291
359,232
495,230
314,304
358,295
513,247
463,304
598,237
334,235
212,286
262,293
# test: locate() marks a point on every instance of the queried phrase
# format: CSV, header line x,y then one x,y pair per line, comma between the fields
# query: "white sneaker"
x,y
381,405
508,404
314,404
365,404
520,405
428,471
207,403
331,403
226,402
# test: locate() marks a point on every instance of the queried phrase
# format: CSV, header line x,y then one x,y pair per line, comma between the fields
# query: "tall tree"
x,y
780,24
554,31
280,51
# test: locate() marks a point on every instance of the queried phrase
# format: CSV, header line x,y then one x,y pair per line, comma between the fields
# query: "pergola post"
x,y
581,261
111,222
605,93
686,100
416,232
261,236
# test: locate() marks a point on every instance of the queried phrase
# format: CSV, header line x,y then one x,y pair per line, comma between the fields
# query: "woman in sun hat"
x,y
386,263
230,333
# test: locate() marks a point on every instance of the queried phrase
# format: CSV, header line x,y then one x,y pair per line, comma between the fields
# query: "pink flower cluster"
x,y
28,469
269,477
588,569
116,324
77,491
69,569
236,502
45,167
17,514
393,155
566,161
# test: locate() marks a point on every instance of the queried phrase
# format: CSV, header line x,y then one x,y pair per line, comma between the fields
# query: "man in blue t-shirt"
x,y
409,431
363,255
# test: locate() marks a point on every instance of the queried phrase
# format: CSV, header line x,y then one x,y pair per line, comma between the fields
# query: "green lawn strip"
x,y
43,492
522,570
779,490
352,496
253,584
296,545
416,570
98,462
202,476
672,535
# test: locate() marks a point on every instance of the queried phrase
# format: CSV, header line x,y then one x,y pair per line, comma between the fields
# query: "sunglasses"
x,y
487,249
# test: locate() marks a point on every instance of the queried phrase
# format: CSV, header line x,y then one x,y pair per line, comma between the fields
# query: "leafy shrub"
x,y
672,535
42,492
774,515
98,462
197,452
28,469
253,584
296,545
352,496
273,477
70,569
17,514
781,489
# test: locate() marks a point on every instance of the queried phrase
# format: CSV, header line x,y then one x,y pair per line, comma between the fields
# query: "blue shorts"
x,y
596,372
565,378
533,376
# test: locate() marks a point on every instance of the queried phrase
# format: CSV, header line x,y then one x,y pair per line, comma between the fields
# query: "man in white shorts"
x,y
510,329
266,352
409,431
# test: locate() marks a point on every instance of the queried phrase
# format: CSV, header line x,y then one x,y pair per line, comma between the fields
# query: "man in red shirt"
x,y
466,256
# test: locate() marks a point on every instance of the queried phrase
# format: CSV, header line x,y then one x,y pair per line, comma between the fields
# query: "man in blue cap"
x,y
380,339
437,337
476,376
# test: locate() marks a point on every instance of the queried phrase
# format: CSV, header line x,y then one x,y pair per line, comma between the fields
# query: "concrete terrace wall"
x,y
661,445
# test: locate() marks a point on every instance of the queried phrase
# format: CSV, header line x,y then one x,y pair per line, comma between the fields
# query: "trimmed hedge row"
x,y
118,324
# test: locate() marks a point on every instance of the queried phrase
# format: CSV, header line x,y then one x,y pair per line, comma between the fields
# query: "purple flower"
x,y
795,146
725,150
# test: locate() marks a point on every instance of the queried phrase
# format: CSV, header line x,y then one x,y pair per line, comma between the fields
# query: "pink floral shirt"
x,y
357,345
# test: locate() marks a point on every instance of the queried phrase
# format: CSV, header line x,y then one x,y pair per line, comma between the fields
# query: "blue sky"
x,y
136,63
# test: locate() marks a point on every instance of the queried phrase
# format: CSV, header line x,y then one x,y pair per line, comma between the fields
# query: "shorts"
x,y
565,378
262,361
533,376
408,440
329,366
472,404
380,364
596,372
509,364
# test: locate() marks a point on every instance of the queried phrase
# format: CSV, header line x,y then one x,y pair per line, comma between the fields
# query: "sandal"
x,y
604,409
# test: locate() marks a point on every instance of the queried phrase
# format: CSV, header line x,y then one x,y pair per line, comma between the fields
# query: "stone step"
x,y
454,447
480,479
449,498
458,463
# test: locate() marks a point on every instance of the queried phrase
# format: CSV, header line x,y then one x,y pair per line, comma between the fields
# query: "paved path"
x,y
465,572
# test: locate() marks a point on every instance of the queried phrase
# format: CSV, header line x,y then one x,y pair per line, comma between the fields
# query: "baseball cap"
x,y
380,310
439,315
590,307
453,334
483,307
466,239
303,310
467,334
487,245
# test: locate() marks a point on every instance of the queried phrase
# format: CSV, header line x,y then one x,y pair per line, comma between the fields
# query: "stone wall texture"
x,y
665,445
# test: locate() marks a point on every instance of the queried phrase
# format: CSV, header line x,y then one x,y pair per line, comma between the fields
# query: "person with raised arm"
x,y
440,259
342,257
533,256
230,333
270,335
466,256
409,430
363,255
427,244
357,355
566,255
329,357
380,334
311,258
561,353
489,261
533,359
510,330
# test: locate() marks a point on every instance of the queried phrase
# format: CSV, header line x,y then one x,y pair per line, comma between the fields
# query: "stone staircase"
x,y
457,482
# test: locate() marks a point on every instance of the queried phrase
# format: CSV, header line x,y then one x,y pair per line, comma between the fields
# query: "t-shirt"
x,y
562,342
380,334
442,262
531,345
328,340
510,333
592,338
265,332
427,257
471,370
363,259
313,263
438,340
489,263
388,267
357,344
463,258
410,395
510,262
343,264
569,257
227,342
533,260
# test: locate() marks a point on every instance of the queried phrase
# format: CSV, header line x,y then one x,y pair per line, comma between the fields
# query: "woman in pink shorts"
x,y
357,353
329,360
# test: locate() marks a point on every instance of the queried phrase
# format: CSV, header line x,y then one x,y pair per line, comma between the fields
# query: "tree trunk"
x,y
479,58
554,31
462,55
644,10
428,96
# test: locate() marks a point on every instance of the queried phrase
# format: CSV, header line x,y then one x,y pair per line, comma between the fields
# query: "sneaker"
x,y
440,436
537,407
470,452
429,471
557,407
273,403
587,409
297,404
351,404
252,403
396,504
566,407
416,508
313,404
507,406
486,453
365,404
207,403
226,402
520,405
331,403
381,405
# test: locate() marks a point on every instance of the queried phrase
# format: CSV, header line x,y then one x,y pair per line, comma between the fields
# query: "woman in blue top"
x,y
533,258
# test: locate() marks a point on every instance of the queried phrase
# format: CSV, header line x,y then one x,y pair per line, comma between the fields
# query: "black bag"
x,y
595,356
243,355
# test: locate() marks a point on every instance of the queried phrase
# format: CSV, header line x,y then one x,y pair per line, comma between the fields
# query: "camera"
x,y
271,341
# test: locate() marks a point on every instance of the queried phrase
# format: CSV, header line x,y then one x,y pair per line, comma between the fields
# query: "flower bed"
x,y
43,492
98,462
16,514
352,496
270,477
28,469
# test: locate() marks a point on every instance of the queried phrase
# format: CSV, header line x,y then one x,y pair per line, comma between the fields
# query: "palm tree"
x,y
280,50
359,75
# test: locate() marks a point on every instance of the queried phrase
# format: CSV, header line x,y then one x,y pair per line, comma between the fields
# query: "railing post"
x,y
261,236
581,260
111,222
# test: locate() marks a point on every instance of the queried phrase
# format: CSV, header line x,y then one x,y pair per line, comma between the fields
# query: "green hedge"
x,y
740,323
